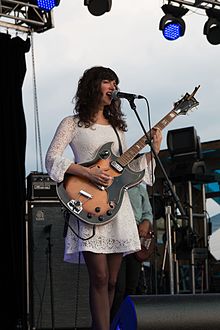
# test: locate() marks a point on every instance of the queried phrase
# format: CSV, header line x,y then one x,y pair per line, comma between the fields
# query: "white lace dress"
x,y
118,235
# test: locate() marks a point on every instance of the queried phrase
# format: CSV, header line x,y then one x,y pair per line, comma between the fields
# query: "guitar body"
x,y
94,204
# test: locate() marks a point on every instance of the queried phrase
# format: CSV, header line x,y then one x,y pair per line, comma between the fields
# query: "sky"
x,y
128,40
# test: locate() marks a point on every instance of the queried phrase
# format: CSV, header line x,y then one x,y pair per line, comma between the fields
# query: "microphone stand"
x,y
172,192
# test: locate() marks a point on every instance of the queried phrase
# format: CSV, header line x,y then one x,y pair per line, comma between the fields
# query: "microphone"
x,y
122,95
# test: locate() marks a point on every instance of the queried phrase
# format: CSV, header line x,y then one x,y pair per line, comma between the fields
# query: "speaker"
x,y
183,142
58,291
169,312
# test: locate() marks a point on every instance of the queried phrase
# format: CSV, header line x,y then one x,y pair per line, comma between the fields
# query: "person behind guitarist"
x,y
129,273
96,117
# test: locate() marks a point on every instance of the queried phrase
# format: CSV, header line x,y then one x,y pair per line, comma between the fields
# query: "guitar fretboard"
x,y
130,154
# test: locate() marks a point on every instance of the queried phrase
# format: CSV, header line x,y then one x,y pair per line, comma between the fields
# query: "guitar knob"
x,y
89,215
77,203
101,218
111,204
71,204
97,209
109,212
104,154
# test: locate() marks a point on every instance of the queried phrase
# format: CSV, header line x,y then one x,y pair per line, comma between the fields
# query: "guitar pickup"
x,y
85,194
117,166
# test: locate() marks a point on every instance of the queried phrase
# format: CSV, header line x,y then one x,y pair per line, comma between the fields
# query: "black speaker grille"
x,y
53,282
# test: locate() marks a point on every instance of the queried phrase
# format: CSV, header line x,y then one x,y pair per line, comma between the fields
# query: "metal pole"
x,y
169,239
191,225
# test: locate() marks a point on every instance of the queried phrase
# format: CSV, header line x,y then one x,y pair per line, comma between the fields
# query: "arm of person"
x,y
156,143
144,228
93,174
145,223
58,165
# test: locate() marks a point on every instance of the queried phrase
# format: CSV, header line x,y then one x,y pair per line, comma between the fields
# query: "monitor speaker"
x,y
58,291
166,312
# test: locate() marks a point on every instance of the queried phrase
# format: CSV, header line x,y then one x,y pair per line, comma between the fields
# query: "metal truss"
x,y
198,3
24,16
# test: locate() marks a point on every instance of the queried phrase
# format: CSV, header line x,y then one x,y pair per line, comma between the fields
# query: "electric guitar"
x,y
98,205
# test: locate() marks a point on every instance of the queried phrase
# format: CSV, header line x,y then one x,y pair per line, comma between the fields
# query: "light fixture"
x,y
47,5
171,24
212,26
39,16
98,7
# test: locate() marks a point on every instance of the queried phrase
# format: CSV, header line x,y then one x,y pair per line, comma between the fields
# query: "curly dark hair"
x,y
88,95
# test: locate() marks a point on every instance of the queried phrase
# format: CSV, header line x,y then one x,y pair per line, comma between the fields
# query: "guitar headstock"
x,y
186,103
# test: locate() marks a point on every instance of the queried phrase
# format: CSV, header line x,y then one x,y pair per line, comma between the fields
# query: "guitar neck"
x,y
130,154
180,107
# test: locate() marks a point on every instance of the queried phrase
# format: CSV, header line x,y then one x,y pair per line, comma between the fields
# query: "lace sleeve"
x,y
141,163
56,164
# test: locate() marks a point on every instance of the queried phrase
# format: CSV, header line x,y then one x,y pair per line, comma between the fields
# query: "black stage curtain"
x,y
13,147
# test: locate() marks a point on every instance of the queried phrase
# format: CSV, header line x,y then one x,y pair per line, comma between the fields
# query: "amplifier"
x,y
58,290
40,186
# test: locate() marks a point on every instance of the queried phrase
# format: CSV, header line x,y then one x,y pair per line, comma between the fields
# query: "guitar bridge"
x,y
75,206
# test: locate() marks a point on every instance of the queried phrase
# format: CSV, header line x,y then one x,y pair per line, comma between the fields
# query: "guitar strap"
x,y
120,145
119,140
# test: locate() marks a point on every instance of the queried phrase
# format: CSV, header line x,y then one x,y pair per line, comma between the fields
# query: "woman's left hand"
x,y
157,139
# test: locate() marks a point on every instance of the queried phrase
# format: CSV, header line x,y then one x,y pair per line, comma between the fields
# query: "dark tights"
x,y
103,271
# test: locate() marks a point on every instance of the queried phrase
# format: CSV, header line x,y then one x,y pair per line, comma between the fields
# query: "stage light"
x,y
47,5
171,24
212,26
98,7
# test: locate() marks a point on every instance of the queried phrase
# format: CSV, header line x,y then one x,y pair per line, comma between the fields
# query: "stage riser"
x,y
169,312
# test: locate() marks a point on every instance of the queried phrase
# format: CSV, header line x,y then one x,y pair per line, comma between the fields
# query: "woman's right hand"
x,y
99,176
95,174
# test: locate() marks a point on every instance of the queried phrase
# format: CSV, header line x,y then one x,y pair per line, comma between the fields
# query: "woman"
x,y
96,113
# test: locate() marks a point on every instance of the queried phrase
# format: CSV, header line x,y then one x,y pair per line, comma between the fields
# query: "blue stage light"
x,y
47,5
172,31
171,24
125,318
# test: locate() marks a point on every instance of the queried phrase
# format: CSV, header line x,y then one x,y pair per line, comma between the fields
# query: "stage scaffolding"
x,y
192,262
24,16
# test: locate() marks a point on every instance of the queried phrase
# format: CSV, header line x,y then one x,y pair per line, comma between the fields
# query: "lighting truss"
x,y
212,9
197,3
24,16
